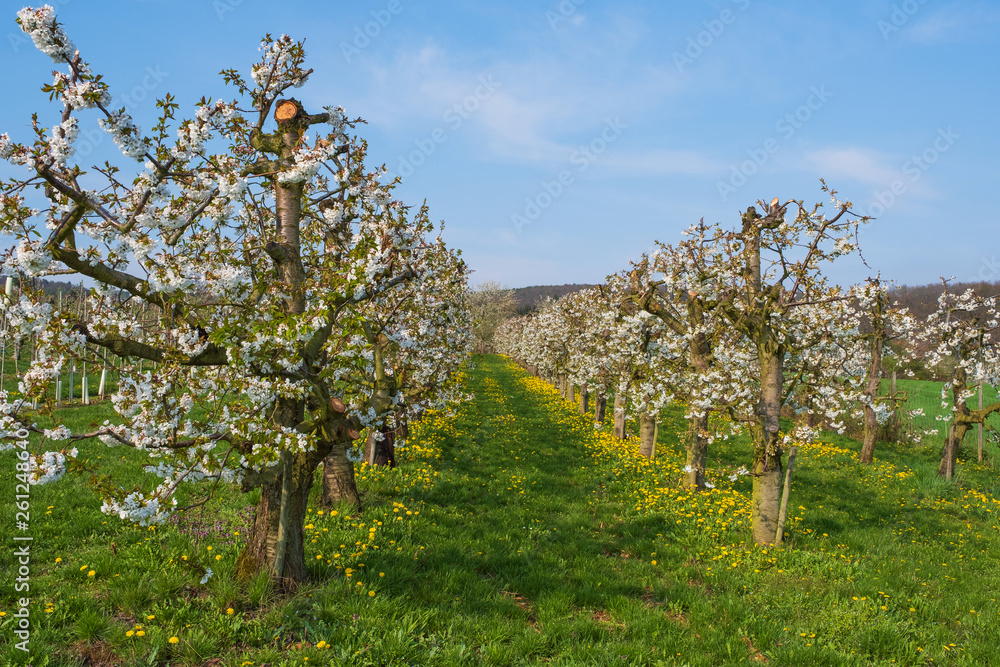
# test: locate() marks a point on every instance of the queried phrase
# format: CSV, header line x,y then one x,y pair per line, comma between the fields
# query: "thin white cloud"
x,y
660,161
939,27
543,103
954,23
858,164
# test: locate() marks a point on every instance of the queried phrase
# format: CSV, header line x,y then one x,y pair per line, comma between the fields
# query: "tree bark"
x,y
584,404
619,429
960,421
950,455
261,553
696,451
338,478
867,454
381,452
876,343
600,405
767,468
647,435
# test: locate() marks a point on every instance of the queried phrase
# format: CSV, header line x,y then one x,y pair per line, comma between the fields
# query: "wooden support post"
x,y
84,389
979,426
783,512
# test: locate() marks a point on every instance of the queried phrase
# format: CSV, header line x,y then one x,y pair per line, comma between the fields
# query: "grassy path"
x,y
526,557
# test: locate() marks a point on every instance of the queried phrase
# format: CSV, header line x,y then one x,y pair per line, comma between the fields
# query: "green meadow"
x,y
515,533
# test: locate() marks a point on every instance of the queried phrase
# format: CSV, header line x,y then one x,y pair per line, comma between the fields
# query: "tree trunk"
x,y
647,435
950,456
402,427
960,421
765,503
584,400
275,543
338,478
381,452
600,405
696,451
868,440
871,389
619,430
261,551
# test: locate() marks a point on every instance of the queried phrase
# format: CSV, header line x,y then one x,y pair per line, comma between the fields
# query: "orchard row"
x,y
744,323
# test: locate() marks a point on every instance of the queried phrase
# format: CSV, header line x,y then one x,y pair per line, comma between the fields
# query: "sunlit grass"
x,y
513,532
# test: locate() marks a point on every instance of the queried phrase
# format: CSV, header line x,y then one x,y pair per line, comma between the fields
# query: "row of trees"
x,y
297,301
742,322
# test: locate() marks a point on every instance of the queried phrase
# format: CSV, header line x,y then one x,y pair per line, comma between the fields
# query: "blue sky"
x,y
557,140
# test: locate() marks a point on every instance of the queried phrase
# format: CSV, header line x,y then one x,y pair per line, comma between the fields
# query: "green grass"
x,y
926,395
514,534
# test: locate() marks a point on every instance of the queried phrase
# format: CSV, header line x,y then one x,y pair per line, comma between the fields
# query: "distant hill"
x,y
529,297
920,299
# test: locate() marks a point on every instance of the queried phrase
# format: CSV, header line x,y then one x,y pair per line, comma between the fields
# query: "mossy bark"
x,y
261,552
696,451
870,436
